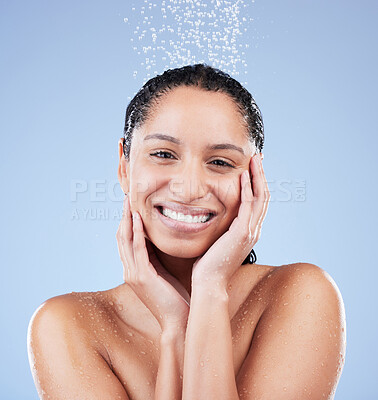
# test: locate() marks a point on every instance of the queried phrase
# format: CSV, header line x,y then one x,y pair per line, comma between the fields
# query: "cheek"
x,y
228,192
144,182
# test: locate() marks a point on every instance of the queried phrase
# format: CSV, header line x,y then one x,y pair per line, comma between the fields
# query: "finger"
x,y
240,225
125,239
257,183
261,204
266,197
141,260
252,193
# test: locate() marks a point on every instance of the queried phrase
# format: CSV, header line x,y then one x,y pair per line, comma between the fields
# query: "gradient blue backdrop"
x,y
66,72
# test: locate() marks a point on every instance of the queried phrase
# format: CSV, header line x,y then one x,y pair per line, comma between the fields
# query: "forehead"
x,y
198,112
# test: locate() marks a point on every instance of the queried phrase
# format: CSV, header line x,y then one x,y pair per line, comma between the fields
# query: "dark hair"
x,y
204,77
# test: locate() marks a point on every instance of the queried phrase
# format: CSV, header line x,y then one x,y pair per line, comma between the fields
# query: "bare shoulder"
x,y
300,338
302,284
299,277
65,356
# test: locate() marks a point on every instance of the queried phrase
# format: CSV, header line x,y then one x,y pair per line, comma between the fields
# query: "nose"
x,y
189,185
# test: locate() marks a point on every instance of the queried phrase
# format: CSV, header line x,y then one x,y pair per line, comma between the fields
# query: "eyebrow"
x,y
220,146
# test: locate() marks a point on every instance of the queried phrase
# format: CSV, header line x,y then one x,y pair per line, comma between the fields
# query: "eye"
x,y
223,163
161,152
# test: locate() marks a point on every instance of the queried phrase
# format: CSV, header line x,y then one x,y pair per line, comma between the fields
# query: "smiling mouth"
x,y
191,219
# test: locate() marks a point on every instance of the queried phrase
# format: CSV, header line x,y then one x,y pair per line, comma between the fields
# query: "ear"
x,y
123,168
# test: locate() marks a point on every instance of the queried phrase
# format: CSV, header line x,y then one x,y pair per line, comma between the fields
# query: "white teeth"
x,y
185,218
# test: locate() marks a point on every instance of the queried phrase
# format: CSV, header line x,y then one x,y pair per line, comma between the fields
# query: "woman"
x,y
196,317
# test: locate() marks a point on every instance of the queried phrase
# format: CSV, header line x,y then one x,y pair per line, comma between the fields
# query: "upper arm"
x,y
64,363
298,346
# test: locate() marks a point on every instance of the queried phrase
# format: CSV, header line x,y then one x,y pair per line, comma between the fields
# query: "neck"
x,y
179,268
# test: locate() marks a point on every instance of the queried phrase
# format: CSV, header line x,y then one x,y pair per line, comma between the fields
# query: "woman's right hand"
x,y
146,279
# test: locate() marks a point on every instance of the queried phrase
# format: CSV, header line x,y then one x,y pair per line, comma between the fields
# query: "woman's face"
x,y
188,158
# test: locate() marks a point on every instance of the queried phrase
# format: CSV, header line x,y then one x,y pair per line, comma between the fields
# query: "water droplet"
x,y
130,333
202,364
308,296
285,388
285,304
111,303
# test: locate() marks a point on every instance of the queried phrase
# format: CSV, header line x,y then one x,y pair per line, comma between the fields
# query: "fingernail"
x,y
135,215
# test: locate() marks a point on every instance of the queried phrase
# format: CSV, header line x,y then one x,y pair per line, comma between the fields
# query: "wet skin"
x,y
107,342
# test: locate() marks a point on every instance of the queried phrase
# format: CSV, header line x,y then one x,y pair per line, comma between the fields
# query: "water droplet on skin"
x,y
143,352
202,364
130,333
308,296
285,388
245,312
280,331
103,329
111,303
120,307
285,304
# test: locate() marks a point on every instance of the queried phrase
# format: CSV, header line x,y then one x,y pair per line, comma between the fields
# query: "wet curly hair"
x,y
204,77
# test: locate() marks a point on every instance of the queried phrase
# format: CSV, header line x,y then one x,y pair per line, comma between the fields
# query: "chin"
x,y
181,250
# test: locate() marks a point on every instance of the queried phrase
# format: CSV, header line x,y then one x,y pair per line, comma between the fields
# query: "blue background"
x,y
66,72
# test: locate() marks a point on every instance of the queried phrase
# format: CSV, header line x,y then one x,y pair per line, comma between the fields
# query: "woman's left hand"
x,y
225,256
